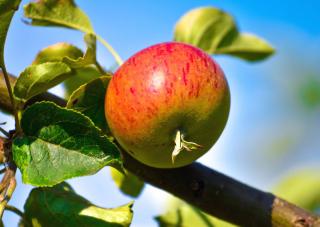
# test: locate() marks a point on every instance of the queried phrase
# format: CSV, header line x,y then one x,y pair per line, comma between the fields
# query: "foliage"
x,y
58,13
89,100
36,79
215,31
59,144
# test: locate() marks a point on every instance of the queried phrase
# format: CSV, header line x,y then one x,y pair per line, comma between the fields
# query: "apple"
x,y
168,104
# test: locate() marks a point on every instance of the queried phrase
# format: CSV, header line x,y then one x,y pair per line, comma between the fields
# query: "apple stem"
x,y
178,147
181,144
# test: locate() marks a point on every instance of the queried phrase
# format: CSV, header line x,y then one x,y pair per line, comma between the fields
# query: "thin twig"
x,y
4,132
11,187
14,210
2,150
3,170
3,185
8,182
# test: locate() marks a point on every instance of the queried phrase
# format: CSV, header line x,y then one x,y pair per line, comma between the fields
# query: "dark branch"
x,y
211,191
222,196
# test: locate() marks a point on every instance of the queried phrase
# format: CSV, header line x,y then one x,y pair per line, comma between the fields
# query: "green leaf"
x,y
248,47
181,214
128,183
61,206
57,52
87,66
62,13
7,10
301,188
215,32
89,57
81,75
60,144
89,100
37,79
204,27
65,13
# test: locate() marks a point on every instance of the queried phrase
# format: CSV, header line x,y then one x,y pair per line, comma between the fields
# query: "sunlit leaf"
x,y
89,100
87,67
205,28
248,47
7,10
89,57
59,144
127,182
36,79
57,52
61,206
63,13
84,65
301,188
215,32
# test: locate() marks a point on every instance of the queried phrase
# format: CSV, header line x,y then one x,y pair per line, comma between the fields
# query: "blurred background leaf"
x,y
309,92
181,214
301,188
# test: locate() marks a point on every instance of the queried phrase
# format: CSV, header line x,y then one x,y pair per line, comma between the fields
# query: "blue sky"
x,y
291,26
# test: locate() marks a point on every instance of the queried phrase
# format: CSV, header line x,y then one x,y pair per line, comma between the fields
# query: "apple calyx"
x,y
181,144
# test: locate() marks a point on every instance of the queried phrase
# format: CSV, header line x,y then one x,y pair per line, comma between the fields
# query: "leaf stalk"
x,y
110,49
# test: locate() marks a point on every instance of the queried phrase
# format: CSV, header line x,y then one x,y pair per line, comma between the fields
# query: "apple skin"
x,y
162,89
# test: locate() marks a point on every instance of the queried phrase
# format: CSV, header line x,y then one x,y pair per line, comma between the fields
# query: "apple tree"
x,y
57,139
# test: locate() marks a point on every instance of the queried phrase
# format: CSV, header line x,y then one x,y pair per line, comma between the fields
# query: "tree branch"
x,y
209,190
